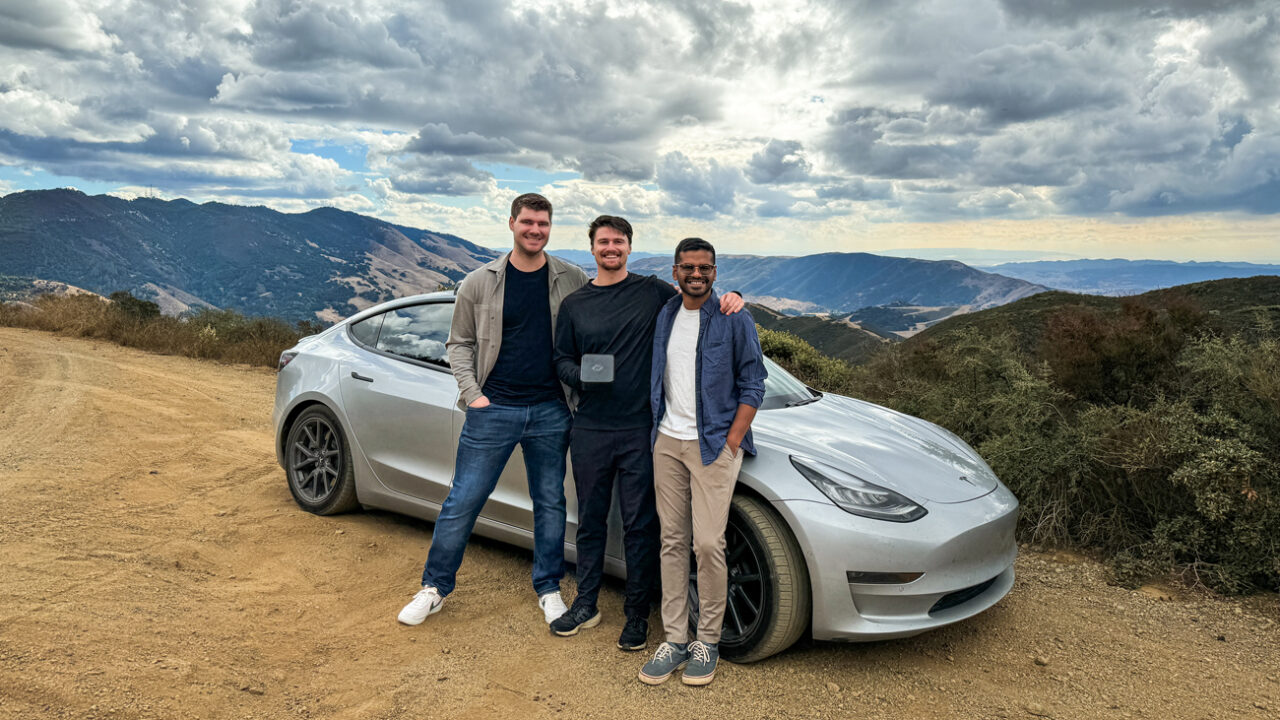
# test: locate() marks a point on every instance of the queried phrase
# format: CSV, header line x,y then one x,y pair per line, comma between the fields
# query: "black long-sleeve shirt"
x,y
613,320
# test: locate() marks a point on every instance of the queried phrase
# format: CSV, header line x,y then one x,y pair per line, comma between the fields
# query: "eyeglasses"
x,y
688,269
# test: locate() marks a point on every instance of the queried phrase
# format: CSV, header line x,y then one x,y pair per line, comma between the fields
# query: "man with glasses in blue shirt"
x,y
707,381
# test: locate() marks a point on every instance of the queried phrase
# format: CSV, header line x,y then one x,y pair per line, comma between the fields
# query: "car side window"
x,y
366,331
417,332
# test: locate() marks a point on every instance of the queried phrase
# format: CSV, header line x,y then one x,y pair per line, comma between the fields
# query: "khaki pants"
x,y
693,503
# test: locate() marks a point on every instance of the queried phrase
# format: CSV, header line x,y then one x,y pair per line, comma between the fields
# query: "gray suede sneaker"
x,y
669,658
703,658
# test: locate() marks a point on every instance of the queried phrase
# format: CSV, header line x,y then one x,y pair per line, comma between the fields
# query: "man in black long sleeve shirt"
x,y
614,314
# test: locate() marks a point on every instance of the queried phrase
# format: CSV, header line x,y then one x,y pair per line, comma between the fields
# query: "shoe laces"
x,y
426,594
665,651
701,653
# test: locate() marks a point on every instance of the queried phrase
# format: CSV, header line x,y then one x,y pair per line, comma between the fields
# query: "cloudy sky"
x,y
1051,127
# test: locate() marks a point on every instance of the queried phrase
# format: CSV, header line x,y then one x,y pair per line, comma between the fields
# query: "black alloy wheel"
x,y
768,603
318,463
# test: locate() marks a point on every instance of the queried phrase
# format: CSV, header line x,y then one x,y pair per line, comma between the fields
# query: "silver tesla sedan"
x,y
853,521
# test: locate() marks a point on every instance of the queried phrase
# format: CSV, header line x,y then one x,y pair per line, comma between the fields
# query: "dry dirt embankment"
x,y
153,565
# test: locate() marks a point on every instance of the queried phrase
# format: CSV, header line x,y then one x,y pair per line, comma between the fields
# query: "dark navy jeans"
x,y
489,435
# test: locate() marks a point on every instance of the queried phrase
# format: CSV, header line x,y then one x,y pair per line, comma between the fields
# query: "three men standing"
x,y
681,361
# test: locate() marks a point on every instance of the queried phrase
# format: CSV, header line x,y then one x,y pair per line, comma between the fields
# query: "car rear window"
x,y
366,331
417,332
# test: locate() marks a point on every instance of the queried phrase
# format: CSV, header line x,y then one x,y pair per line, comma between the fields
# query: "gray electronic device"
x,y
597,369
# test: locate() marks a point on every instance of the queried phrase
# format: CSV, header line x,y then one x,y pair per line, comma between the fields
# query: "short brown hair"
x,y
609,221
533,201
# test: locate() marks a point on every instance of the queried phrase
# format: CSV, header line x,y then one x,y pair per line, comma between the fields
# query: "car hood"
x,y
902,453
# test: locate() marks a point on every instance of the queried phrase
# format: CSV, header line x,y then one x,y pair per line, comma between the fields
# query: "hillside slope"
x,y
1227,306
1126,277
325,262
844,282
837,338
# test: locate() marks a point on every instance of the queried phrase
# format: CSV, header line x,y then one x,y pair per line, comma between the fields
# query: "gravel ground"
x,y
155,566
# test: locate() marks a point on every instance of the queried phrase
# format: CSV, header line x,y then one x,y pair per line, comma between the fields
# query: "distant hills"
x,y
1224,306
1125,277
20,289
844,282
325,263
328,263
835,337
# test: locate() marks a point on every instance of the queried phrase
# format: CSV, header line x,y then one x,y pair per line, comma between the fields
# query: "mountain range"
x,y
1125,277
328,263
844,282
324,263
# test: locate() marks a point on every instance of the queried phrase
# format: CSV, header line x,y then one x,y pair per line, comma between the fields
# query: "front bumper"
x,y
964,550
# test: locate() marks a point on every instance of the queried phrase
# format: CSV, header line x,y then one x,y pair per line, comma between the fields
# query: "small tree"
x,y
133,307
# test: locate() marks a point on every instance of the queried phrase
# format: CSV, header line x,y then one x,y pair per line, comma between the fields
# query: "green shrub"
x,y
1132,437
134,307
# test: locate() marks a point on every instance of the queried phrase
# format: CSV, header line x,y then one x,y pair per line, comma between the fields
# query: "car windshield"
x,y
781,389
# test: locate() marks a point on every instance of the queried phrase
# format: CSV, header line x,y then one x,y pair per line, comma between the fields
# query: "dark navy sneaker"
x,y
702,663
635,634
669,658
578,618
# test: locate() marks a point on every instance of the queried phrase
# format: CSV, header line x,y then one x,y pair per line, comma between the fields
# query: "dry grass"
x,y
221,335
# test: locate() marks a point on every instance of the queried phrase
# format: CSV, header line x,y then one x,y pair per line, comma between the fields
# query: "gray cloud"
x,y
1074,11
930,108
614,164
437,138
305,36
55,25
857,189
1021,83
438,175
857,138
779,161
697,190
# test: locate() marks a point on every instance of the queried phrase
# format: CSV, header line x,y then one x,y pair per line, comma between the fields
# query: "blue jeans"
x,y
489,435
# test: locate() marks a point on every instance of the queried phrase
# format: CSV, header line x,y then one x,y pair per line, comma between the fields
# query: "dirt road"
x,y
153,565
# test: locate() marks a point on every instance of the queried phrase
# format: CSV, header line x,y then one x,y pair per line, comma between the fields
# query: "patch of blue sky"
x,y
17,178
517,177
349,157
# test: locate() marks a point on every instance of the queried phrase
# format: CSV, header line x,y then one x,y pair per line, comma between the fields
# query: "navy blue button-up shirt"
x,y
729,372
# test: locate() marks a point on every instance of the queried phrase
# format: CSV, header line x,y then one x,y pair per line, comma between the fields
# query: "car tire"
x,y
769,601
318,463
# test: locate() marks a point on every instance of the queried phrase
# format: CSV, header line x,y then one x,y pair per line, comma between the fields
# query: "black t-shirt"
x,y
616,320
524,373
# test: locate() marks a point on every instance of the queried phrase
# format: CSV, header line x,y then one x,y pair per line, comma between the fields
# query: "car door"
x,y
400,396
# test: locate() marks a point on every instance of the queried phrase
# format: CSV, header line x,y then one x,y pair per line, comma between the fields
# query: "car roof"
x,y
447,295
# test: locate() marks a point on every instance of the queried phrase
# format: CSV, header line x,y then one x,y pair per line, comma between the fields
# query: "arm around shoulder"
x,y
749,369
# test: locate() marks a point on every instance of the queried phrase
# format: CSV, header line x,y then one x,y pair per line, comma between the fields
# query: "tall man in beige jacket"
x,y
500,348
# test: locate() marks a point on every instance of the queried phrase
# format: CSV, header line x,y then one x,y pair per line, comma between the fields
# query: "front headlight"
x,y
855,495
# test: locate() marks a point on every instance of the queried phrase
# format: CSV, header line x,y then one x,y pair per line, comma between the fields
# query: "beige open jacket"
x,y
475,336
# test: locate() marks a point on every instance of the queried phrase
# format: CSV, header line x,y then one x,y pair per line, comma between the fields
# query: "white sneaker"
x,y
552,606
426,602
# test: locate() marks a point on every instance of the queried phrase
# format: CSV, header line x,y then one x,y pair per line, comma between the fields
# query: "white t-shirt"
x,y
680,421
